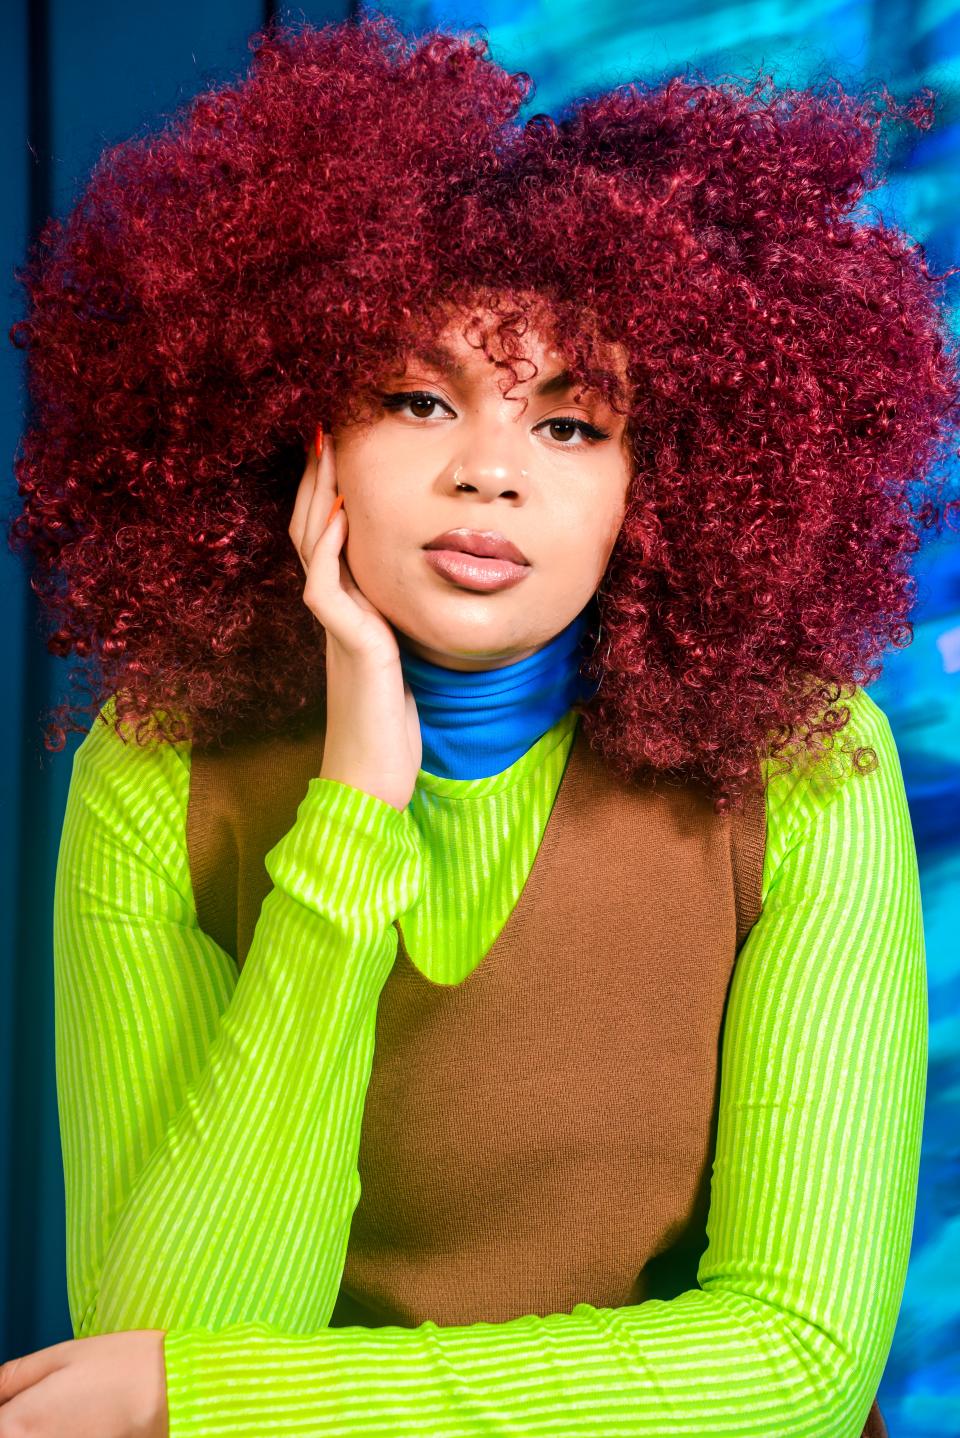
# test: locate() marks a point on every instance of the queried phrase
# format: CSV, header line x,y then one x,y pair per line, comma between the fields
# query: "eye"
x,y
405,398
589,432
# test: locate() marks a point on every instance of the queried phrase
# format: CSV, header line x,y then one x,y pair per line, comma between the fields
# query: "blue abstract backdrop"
x,y
78,77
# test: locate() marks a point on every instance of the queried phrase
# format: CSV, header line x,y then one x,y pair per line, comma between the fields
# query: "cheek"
x,y
569,556
370,502
381,546
591,532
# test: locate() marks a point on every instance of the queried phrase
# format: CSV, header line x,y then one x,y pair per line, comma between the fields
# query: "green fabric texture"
x,y
210,1124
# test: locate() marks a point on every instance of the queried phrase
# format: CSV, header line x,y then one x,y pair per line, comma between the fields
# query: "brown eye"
x,y
568,424
588,432
424,402
422,405
407,399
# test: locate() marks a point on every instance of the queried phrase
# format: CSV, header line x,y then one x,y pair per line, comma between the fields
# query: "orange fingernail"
x,y
318,440
336,505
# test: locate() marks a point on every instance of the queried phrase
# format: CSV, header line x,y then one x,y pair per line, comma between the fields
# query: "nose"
x,y
490,478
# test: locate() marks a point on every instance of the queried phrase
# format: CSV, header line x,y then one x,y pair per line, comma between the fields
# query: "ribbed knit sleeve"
x,y
210,1122
811,1212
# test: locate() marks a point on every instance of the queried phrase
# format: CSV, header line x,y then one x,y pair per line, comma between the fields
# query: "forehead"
x,y
465,343
459,359
470,339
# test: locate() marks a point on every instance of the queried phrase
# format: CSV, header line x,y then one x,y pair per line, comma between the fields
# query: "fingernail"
x,y
336,505
318,441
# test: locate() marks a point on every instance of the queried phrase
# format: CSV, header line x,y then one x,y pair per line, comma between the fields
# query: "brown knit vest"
x,y
542,1133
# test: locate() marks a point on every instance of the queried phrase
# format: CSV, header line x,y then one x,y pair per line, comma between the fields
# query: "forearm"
x,y
244,1209
700,1363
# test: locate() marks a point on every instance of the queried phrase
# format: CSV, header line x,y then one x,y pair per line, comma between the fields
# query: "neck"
x,y
475,723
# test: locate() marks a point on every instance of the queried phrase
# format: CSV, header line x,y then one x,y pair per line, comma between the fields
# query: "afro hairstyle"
x,y
249,269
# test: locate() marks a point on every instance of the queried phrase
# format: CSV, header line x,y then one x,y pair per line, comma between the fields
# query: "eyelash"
x,y
401,398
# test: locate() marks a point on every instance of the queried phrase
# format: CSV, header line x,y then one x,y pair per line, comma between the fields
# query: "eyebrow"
x,y
443,360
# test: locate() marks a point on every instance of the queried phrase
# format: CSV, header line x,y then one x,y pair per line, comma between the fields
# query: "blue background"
x,y
78,77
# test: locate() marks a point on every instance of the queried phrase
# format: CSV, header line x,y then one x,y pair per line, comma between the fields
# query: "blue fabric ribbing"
x,y
478,723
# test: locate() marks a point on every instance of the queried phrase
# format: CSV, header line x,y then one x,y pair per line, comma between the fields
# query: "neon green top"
x,y
210,1124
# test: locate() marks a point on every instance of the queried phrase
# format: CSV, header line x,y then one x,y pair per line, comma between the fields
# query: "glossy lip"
x,y
482,543
470,572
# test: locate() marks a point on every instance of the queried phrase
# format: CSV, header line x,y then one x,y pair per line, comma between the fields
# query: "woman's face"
x,y
467,457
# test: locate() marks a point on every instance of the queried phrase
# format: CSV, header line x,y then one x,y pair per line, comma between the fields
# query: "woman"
x,y
620,1131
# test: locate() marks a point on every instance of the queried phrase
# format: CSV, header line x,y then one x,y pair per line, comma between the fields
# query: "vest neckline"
x,y
564,805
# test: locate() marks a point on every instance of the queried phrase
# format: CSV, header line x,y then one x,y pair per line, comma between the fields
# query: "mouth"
x,y
476,572
480,543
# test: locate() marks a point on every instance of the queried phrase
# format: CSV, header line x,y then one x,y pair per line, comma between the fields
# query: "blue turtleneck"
x,y
477,723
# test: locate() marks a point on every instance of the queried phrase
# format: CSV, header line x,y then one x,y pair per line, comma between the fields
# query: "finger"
x,y
306,490
324,496
298,518
331,591
20,1373
57,1404
324,592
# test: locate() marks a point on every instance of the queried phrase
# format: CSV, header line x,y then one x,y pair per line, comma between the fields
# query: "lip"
x,y
482,543
472,572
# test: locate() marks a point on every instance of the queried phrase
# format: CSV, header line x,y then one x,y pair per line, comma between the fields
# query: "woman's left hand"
x,y
112,1385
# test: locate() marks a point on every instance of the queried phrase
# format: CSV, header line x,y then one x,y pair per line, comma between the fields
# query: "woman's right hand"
x,y
372,740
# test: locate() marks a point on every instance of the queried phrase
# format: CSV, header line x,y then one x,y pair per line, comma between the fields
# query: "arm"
x,y
210,1122
813,1195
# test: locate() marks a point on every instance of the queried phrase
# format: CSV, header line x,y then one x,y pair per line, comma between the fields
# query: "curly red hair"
x,y
252,267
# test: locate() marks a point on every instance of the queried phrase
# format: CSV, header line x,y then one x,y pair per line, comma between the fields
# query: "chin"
x,y
451,658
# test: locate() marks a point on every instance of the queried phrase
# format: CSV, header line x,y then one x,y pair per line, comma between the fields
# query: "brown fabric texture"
x,y
542,1133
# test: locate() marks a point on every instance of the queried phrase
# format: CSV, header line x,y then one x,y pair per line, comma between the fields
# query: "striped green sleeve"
x,y
210,1122
812,1201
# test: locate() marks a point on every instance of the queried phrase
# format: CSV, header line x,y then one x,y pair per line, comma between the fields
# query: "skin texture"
x,y
524,470
112,1385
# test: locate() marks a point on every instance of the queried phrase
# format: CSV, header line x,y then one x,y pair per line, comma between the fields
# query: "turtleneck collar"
x,y
477,723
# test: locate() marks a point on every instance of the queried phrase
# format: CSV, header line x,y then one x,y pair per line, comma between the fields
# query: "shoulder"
x,y
829,793
112,748
816,781
132,792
